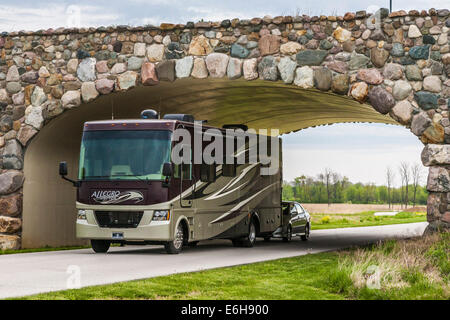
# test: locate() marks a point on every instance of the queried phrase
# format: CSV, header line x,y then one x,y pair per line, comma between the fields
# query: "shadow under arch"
x,y
49,202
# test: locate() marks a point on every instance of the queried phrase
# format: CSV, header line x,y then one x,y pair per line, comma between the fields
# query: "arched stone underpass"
x,y
290,72
49,212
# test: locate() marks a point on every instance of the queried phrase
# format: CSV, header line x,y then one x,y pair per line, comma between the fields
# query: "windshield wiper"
x,y
96,177
132,175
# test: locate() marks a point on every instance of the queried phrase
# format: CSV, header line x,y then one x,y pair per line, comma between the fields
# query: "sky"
x,y
360,151
43,14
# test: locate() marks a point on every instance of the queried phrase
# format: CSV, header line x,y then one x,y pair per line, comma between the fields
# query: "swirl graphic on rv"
x,y
111,196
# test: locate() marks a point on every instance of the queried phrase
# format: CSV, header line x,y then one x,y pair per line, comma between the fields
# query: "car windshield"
x,y
124,154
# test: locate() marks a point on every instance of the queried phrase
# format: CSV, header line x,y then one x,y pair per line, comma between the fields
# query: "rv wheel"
x,y
250,239
100,246
175,246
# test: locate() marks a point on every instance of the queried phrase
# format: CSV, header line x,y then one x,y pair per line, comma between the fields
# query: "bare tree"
x,y
309,182
345,182
327,175
336,184
404,172
390,176
321,178
300,182
416,172
402,181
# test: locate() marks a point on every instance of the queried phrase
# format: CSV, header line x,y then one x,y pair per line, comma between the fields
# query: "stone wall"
x,y
399,63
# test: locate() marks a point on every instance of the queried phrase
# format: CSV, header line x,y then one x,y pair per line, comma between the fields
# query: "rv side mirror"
x,y
63,168
167,169
63,174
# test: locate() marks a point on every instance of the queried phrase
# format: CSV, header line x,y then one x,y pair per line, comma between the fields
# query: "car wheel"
x,y
100,246
250,239
289,235
305,237
175,246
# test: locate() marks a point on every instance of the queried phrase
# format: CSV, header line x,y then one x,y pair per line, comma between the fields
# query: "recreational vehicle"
x,y
130,190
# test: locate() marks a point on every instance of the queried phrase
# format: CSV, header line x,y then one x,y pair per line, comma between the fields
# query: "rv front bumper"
x,y
147,230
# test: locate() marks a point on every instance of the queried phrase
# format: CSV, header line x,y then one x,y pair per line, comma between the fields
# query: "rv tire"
x,y
175,246
100,246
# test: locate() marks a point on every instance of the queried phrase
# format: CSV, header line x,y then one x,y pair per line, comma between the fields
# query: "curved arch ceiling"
x,y
258,104
49,202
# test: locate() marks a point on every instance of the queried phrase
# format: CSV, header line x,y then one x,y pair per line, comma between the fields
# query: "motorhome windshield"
x,y
124,154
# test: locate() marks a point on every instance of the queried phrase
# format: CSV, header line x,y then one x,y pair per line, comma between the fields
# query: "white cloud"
x,y
209,13
345,129
145,21
359,151
357,165
51,15
157,2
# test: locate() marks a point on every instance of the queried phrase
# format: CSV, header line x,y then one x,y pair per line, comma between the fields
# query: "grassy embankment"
x,y
41,249
362,219
417,268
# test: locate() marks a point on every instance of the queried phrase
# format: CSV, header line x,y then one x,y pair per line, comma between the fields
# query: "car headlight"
x,y
161,215
81,214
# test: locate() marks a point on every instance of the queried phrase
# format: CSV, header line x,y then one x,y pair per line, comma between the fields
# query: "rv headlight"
x,y
161,215
81,214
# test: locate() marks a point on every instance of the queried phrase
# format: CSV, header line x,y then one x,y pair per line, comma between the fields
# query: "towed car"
x,y
296,222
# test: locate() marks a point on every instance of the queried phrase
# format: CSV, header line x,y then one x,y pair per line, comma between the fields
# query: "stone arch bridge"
x,y
283,72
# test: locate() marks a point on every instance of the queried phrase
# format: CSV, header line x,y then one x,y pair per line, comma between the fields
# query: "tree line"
x,y
332,187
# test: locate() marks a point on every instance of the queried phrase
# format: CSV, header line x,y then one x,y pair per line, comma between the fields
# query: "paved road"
x,y
30,273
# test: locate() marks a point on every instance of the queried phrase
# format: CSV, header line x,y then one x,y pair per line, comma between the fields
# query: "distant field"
x,y
353,208
362,219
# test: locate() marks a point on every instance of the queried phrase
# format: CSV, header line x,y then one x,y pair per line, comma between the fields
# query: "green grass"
x,y
362,219
405,269
293,278
42,249
332,275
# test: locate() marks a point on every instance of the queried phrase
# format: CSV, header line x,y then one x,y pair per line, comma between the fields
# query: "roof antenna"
x,y
159,108
112,108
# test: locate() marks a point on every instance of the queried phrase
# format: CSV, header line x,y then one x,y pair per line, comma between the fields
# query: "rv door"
x,y
187,190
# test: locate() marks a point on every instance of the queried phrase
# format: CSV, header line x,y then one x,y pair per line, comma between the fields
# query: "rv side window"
x,y
229,167
208,172
186,171
187,168
176,171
